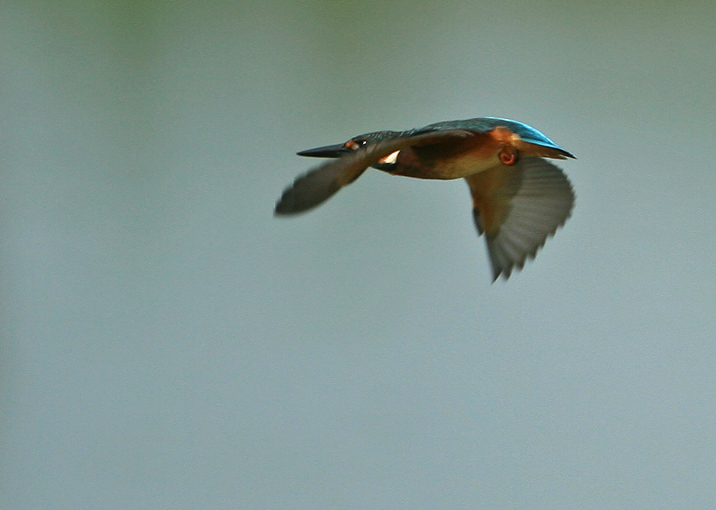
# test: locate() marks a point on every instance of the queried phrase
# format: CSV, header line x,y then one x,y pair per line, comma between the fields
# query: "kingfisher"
x,y
519,199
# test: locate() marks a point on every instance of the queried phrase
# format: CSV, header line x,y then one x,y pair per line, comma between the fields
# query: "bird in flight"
x,y
519,198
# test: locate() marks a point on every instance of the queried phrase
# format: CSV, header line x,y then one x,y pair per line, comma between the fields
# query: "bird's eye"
x,y
355,144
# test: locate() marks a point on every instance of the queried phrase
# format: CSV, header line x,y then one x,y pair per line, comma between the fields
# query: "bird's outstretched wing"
x,y
318,185
518,207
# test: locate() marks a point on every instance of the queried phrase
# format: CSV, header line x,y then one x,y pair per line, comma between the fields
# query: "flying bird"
x,y
519,198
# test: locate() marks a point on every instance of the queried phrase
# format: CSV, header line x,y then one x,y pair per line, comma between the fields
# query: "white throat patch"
x,y
390,159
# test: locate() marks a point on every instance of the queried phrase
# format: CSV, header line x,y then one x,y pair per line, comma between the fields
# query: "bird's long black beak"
x,y
328,151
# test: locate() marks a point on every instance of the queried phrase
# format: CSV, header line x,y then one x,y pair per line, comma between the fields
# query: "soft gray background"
x,y
168,343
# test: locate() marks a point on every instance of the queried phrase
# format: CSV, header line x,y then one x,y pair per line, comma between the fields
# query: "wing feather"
x,y
518,207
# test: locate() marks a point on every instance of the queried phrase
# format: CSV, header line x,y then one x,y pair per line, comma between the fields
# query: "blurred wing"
x,y
517,207
318,185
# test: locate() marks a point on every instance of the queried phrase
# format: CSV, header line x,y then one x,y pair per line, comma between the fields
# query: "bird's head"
x,y
355,143
363,141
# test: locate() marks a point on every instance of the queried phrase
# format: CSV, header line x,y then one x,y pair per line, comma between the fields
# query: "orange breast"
x,y
451,159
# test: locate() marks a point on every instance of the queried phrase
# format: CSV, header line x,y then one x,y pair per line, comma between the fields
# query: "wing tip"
x,y
283,210
289,204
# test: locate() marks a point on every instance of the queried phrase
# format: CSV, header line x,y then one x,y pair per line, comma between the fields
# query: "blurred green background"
x,y
168,343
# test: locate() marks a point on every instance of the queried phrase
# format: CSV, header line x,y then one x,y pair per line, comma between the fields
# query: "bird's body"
x,y
519,199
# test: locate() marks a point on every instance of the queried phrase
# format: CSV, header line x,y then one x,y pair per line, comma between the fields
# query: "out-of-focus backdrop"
x,y
167,343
